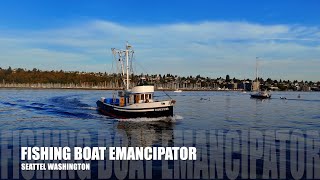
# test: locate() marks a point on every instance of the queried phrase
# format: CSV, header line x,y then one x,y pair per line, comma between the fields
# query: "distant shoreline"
x,y
110,89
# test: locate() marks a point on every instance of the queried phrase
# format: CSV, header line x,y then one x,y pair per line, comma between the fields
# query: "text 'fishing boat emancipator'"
x,y
137,101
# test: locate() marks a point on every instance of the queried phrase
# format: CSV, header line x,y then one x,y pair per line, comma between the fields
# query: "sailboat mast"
x,y
258,84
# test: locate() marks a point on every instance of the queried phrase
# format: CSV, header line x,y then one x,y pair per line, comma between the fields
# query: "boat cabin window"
x,y
136,98
142,97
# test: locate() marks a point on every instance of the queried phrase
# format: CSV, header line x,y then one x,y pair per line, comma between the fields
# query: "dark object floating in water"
x,y
204,99
261,95
299,96
283,98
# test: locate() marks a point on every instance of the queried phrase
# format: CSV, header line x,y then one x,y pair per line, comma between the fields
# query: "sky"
x,y
212,38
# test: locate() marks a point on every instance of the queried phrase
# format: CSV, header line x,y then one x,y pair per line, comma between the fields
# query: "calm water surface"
x,y
75,109
196,111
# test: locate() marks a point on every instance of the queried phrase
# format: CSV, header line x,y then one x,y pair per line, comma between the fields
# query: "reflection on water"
x,y
145,134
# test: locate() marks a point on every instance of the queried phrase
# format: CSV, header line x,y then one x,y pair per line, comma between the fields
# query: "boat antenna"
x,y
167,94
127,61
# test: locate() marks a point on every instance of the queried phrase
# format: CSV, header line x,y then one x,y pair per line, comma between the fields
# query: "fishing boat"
x,y
260,94
135,100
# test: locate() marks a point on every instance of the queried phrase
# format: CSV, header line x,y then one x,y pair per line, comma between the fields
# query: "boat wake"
x,y
178,117
63,106
159,119
89,108
70,102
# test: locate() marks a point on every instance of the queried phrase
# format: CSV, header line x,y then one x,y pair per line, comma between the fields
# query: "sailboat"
x,y
259,94
136,101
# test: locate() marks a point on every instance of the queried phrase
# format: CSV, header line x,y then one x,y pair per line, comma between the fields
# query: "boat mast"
x,y
122,57
258,84
127,59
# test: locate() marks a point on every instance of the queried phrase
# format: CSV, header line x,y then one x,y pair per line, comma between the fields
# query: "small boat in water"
x,y
136,101
259,94
178,91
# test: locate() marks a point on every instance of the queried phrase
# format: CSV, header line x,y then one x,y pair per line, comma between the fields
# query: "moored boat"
x,y
259,94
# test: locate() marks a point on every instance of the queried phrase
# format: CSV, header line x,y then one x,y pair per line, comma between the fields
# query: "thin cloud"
x,y
211,48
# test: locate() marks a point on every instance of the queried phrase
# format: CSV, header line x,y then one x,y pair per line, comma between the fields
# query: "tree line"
x,y
20,75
